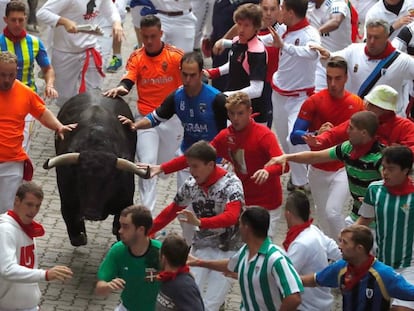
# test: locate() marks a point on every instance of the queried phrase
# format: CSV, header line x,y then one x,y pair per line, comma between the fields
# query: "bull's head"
x,y
73,158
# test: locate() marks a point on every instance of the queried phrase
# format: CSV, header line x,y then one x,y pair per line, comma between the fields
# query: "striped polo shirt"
x,y
361,172
27,50
394,216
266,278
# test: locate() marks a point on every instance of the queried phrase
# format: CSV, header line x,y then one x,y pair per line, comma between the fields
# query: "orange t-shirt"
x,y
15,104
321,108
155,76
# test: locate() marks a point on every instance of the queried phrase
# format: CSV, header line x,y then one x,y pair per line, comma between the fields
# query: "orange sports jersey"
x,y
321,108
15,104
155,76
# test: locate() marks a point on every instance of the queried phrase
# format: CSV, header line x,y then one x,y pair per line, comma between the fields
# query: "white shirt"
x,y
172,5
78,12
339,38
309,253
360,67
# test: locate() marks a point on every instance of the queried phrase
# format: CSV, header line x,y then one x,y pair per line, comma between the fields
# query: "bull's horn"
x,y
129,166
63,159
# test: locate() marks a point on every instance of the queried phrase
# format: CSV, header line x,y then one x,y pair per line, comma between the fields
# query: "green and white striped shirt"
x,y
266,278
395,224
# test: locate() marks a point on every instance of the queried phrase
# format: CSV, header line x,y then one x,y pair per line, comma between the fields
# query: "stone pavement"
x,y
55,249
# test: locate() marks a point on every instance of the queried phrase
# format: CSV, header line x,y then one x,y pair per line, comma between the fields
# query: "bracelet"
x,y
46,275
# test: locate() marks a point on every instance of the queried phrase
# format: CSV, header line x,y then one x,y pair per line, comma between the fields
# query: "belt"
x,y
174,13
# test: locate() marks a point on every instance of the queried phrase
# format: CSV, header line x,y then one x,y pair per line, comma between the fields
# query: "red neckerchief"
x,y
354,274
294,231
12,37
212,179
361,150
387,51
302,24
405,188
165,276
33,230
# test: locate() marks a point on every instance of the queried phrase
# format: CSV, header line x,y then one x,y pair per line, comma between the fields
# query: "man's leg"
x,y
11,177
183,39
147,152
402,305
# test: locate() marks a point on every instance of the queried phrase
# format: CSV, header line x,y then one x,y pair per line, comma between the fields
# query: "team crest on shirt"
x,y
164,66
203,107
356,68
231,140
150,275
405,207
369,292
297,41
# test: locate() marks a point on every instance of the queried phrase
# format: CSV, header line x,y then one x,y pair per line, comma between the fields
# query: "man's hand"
x,y
311,140
402,21
277,41
125,121
154,169
192,261
65,128
50,92
260,176
324,53
116,284
277,160
60,273
218,47
116,91
70,26
188,217
325,127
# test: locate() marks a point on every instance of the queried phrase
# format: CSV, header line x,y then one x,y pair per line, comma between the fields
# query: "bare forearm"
x,y
308,280
49,75
217,265
142,124
50,121
309,157
102,288
291,302
364,221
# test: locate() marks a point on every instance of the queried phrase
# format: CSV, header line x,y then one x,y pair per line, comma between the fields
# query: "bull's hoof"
x,y
79,240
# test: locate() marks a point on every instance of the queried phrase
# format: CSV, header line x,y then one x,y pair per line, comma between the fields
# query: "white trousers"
x,y
11,177
213,285
285,113
154,146
330,192
203,11
68,70
179,30
26,309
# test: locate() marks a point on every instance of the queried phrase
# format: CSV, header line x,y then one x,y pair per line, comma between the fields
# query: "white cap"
x,y
383,96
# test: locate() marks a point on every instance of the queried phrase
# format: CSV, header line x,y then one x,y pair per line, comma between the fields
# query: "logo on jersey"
x,y
90,10
27,257
164,66
369,292
231,140
356,68
203,107
150,275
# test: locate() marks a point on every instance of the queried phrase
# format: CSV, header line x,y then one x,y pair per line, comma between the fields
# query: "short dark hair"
x,y
399,155
299,7
175,249
140,216
191,57
201,150
361,235
15,6
150,21
251,12
29,187
258,220
297,203
365,120
337,62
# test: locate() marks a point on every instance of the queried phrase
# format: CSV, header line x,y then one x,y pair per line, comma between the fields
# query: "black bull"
x,y
94,163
